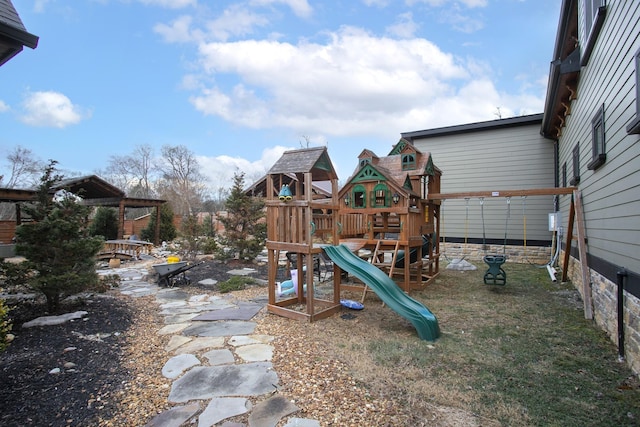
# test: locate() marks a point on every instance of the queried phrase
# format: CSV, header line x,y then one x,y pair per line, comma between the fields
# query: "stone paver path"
x,y
215,360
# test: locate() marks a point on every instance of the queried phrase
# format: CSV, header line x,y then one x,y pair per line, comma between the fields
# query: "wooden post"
x,y
157,230
121,220
567,250
582,251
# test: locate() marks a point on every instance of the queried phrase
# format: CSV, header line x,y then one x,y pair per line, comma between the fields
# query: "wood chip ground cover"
x,y
518,355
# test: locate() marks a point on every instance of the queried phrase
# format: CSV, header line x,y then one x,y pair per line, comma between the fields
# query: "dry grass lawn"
x,y
518,355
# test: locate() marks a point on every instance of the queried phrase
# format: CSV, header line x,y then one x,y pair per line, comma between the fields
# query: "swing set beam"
x,y
503,193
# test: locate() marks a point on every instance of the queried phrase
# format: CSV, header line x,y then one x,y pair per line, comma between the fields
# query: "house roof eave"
x,y
563,73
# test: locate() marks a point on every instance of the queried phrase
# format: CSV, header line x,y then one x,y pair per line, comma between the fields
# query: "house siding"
x,y
508,158
611,193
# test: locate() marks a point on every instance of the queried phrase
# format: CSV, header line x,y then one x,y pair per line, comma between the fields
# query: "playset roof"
x,y
391,166
307,160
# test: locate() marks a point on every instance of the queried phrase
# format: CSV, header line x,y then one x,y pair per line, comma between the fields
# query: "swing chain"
x,y
524,225
484,235
466,223
506,225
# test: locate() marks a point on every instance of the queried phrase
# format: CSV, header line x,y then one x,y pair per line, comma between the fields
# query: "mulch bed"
x,y
80,393
116,355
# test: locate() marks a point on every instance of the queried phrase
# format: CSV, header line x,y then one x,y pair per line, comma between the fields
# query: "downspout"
x,y
621,275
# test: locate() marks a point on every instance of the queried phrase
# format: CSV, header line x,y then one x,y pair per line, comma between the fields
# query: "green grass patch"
x,y
236,283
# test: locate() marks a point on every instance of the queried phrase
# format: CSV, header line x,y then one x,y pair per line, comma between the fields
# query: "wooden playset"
x,y
383,208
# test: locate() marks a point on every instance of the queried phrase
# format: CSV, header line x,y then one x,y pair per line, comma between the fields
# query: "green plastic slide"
x,y
422,319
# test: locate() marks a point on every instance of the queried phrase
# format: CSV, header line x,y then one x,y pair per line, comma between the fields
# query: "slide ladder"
x,y
378,259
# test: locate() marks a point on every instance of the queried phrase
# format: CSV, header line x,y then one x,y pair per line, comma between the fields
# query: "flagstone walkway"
x,y
214,358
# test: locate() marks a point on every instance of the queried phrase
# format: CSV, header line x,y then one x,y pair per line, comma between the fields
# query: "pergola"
x,y
94,192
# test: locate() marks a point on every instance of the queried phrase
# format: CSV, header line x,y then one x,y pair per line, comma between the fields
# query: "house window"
x,y
576,165
359,197
634,126
599,155
564,174
364,162
380,196
593,13
408,162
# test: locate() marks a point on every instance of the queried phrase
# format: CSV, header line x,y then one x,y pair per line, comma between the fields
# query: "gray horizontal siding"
x,y
611,194
492,160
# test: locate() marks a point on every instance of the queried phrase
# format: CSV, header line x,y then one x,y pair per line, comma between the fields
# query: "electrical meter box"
x,y
555,221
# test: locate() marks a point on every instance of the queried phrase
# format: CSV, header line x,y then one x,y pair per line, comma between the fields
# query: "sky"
x,y
239,82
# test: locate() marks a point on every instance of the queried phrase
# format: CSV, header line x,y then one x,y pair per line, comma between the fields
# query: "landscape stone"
x,y
205,382
175,342
263,338
138,292
239,340
178,364
242,272
219,357
208,282
267,413
168,295
179,318
55,320
244,311
173,328
200,343
175,416
255,352
223,407
461,265
302,422
173,304
220,328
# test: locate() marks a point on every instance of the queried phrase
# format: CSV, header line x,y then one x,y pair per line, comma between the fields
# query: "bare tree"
x,y
133,172
183,183
24,169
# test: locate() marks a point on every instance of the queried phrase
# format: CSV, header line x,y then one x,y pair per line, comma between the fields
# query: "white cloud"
x,y
219,170
299,7
235,21
454,3
351,84
170,4
39,5
51,109
405,27
339,88
378,3
461,21
4,107
179,31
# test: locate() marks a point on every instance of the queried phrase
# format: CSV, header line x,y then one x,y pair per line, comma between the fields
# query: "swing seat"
x,y
495,275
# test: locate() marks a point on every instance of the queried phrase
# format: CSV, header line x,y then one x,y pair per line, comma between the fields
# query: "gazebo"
x,y
94,191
